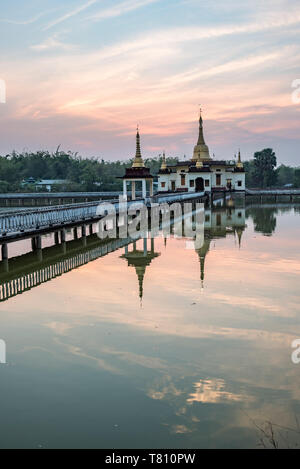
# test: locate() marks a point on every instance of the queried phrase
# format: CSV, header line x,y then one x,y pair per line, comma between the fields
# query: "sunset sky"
x,y
82,74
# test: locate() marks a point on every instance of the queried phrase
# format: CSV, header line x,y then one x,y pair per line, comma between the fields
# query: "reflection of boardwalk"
x,y
22,273
41,274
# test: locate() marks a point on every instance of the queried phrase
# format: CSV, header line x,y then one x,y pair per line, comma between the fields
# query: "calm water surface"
x,y
186,348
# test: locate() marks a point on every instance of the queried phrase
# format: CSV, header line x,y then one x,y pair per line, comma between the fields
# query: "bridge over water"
x,y
33,222
19,199
23,272
289,195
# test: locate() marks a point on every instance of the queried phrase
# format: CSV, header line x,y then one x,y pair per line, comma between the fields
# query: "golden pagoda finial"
x,y
138,160
239,162
200,136
201,145
163,163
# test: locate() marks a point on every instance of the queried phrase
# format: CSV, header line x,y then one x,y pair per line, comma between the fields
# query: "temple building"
x,y
201,172
138,173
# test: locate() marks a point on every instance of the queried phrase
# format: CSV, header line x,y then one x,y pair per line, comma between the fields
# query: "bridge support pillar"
x,y
75,233
56,237
38,242
4,251
145,246
91,229
4,265
83,231
39,253
63,236
33,244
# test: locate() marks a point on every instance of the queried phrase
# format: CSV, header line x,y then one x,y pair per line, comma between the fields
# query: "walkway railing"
x,y
44,217
273,191
11,222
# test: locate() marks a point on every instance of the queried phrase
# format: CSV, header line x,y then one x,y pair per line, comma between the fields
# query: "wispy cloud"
x,y
228,67
96,79
74,12
52,43
120,9
180,35
34,19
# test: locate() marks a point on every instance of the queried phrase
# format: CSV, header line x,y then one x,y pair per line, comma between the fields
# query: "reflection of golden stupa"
x,y
140,259
239,232
202,254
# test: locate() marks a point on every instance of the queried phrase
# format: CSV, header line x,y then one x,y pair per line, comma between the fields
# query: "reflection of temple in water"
x,y
140,259
218,223
29,270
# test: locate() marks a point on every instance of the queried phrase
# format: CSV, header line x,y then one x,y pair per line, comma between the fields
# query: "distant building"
x,y
47,184
28,181
201,172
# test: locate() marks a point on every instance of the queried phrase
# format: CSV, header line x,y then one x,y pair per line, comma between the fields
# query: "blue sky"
x,y
83,74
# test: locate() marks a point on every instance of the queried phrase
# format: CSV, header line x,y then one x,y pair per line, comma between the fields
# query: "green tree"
x,y
297,177
285,175
264,220
264,168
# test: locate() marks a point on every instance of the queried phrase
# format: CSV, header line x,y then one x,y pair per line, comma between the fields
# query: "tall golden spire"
x,y
163,163
200,137
201,148
138,160
239,163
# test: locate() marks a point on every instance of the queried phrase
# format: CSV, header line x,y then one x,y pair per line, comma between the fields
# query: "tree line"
x,y
19,172
262,172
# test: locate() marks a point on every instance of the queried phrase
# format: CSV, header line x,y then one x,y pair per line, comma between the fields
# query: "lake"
x,y
184,347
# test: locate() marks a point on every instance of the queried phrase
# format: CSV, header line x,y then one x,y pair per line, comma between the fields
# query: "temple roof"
x,y
137,173
138,169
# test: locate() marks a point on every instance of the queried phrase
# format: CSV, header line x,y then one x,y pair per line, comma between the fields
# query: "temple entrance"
x,y
199,185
